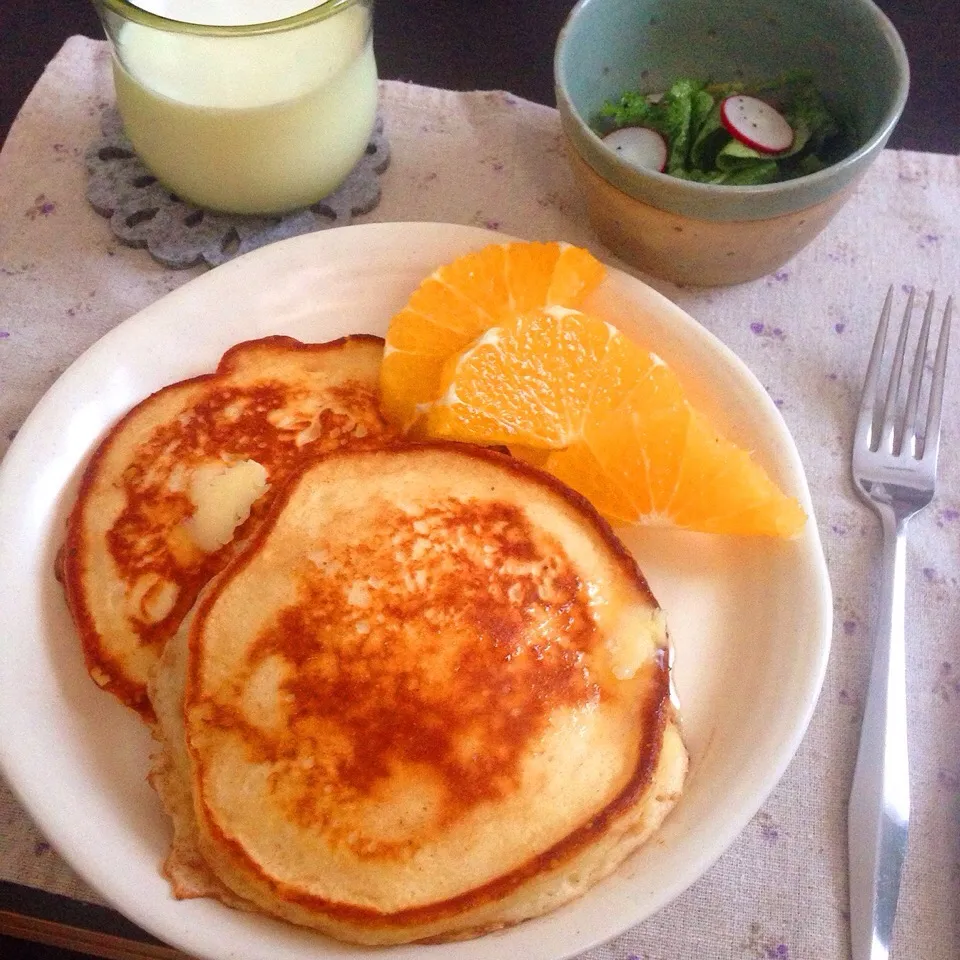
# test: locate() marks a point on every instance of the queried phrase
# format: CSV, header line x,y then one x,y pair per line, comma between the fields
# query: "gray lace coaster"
x,y
143,213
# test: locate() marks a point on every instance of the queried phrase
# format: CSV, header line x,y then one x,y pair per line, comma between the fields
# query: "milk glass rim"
x,y
321,11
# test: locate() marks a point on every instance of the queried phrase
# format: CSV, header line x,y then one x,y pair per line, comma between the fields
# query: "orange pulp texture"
x,y
461,300
572,394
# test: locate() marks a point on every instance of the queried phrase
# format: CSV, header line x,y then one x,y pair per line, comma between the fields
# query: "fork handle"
x,y
879,808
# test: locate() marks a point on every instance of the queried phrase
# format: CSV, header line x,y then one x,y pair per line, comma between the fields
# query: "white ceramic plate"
x,y
750,619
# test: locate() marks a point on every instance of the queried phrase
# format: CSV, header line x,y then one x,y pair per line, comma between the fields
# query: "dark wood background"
x,y
506,44
488,44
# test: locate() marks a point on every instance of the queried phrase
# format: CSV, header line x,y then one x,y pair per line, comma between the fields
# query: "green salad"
x,y
712,132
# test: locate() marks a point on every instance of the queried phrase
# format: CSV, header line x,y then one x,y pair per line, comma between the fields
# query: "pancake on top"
x,y
428,698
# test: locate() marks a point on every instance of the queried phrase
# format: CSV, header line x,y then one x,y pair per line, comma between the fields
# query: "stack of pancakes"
x,y
402,691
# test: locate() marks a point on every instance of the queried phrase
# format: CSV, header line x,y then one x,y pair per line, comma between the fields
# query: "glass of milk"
x,y
245,106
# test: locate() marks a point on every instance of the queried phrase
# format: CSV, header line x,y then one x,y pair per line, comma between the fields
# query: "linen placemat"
x,y
493,160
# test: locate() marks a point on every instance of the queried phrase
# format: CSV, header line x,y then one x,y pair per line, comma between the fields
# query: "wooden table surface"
x,y
445,43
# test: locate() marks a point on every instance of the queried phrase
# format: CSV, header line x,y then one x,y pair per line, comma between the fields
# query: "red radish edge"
x,y
641,146
756,123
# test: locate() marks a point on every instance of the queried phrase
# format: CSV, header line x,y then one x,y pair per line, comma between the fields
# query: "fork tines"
x,y
895,434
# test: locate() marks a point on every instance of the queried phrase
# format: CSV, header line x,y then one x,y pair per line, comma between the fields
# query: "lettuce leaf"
x,y
699,146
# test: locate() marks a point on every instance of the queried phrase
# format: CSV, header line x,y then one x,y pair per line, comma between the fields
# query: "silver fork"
x,y
895,470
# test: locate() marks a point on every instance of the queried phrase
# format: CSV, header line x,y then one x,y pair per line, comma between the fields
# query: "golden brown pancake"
x,y
429,698
186,475
189,874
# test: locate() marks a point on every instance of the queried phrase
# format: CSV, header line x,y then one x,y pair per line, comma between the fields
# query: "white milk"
x,y
252,124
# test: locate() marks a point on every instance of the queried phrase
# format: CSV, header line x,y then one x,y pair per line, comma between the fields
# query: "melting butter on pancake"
x,y
184,476
429,698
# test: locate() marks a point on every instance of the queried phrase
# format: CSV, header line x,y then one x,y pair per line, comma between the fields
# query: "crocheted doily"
x,y
143,213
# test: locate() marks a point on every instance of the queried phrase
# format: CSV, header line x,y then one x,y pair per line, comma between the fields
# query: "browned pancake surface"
x,y
385,683
392,693
130,567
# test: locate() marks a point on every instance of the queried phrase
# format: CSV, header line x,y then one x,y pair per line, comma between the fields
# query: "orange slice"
x,y
462,299
571,393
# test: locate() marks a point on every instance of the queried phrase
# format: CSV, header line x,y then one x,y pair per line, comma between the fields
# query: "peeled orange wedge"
x,y
462,299
572,394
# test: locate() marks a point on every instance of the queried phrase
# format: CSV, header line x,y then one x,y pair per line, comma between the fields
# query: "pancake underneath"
x,y
179,481
429,698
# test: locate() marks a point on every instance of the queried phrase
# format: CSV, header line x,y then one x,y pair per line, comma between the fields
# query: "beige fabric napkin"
x,y
494,160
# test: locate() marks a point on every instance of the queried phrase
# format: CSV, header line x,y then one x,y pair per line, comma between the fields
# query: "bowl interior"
x,y
849,47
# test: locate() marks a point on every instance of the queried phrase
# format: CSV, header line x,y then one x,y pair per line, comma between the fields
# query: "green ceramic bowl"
x,y
607,46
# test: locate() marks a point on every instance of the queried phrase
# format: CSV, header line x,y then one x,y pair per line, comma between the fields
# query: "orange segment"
x,y
400,373
625,366
447,307
721,489
462,299
416,355
481,278
541,274
528,271
675,469
582,471
615,422
639,445
575,274
523,382
416,333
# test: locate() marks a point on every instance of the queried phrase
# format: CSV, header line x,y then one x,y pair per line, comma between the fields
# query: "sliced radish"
x,y
640,146
756,124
